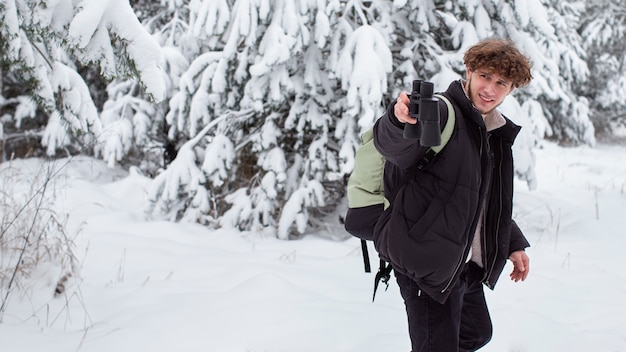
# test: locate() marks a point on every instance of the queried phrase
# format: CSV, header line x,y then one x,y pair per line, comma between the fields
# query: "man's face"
x,y
487,89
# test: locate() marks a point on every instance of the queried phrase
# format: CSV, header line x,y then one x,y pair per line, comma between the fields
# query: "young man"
x,y
449,229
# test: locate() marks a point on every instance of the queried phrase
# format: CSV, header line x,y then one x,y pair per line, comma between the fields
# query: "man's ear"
x,y
468,73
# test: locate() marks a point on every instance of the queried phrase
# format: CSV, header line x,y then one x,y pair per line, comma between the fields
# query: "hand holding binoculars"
x,y
423,107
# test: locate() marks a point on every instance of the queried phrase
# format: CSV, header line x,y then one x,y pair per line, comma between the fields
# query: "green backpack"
x,y
366,196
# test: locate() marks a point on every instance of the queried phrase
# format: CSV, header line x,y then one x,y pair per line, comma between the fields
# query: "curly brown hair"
x,y
502,57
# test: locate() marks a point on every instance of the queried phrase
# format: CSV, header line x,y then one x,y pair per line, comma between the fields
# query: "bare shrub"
x,y
33,235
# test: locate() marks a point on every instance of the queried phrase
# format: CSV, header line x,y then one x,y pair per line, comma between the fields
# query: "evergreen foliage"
x,y
46,44
263,101
604,29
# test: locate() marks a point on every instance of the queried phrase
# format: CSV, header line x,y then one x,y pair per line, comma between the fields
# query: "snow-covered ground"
x,y
158,286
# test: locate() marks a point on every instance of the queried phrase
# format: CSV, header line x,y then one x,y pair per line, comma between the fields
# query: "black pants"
x,y
461,324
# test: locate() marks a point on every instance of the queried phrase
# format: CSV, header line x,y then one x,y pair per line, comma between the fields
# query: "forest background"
x,y
247,113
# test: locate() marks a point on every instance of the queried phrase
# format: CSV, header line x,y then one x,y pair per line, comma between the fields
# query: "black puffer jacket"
x,y
427,232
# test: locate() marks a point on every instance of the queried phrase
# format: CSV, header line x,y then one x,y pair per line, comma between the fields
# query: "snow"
x,y
161,286
88,29
363,67
11,21
218,159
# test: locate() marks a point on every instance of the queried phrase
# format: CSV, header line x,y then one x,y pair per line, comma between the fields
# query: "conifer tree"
x,y
45,43
289,86
263,101
603,26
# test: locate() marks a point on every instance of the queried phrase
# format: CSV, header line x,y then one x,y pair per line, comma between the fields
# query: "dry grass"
x,y
33,235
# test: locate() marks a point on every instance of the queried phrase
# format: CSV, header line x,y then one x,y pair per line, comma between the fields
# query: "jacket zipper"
x,y
497,229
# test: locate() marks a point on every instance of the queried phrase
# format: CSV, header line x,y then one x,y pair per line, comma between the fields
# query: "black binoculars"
x,y
423,107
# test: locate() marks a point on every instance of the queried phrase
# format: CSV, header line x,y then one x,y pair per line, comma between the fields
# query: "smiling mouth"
x,y
486,100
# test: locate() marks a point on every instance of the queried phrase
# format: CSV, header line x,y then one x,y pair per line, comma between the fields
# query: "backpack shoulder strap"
x,y
447,130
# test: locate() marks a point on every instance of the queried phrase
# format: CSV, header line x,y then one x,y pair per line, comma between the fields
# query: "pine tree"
x,y
604,28
569,112
292,93
263,101
46,43
284,89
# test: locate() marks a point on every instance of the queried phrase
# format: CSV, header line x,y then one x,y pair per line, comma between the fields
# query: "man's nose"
x,y
491,88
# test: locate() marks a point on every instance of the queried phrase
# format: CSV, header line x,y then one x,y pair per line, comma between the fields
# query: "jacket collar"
x,y
494,120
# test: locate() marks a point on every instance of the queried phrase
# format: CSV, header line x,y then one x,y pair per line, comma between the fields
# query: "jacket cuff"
x,y
392,117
